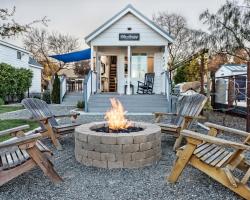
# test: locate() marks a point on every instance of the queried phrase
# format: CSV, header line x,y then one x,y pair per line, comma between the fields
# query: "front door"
x,y
112,74
108,73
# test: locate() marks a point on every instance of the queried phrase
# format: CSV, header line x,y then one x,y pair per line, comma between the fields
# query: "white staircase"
x,y
132,103
71,99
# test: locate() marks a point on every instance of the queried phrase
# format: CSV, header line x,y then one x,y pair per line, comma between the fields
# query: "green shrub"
x,y
46,96
55,96
1,102
80,104
14,82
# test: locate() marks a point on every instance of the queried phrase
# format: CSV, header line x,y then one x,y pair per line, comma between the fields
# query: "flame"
x,y
115,116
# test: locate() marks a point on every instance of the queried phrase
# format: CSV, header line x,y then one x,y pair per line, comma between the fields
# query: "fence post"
x,y
213,90
230,93
248,97
202,69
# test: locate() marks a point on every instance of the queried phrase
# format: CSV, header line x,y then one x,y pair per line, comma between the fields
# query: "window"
x,y
141,64
19,55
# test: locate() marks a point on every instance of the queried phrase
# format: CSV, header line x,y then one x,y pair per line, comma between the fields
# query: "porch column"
x,y
129,69
167,81
92,57
98,70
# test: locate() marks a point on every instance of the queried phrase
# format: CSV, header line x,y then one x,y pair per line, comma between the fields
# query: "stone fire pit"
x,y
117,150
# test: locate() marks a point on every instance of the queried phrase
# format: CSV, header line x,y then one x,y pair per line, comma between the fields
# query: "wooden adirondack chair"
x,y
216,157
50,127
22,153
189,109
147,86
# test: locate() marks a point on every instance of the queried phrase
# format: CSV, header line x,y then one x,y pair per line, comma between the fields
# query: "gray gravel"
x,y
81,182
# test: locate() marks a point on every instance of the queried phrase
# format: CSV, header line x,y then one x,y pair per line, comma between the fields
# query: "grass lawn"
x,y
11,123
4,109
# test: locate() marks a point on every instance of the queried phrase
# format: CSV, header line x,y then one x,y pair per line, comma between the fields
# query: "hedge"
x,y
14,82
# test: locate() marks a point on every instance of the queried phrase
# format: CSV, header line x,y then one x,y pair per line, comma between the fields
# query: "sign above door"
x,y
129,36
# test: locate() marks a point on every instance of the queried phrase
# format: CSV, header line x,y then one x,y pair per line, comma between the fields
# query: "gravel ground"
x,y
81,182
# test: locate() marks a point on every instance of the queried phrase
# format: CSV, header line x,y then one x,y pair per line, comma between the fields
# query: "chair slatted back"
x,y
190,105
39,109
149,79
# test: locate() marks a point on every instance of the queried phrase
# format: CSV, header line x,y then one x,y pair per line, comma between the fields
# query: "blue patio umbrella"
x,y
73,56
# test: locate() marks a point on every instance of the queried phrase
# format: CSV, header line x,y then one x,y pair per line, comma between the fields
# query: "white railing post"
x,y
129,69
90,87
63,89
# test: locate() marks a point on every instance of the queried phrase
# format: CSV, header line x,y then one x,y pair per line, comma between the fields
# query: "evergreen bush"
x,y
46,96
80,104
14,82
55,95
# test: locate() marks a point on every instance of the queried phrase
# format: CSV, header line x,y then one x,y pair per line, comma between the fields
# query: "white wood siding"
x,y
120,74
36,80
148,37
158,68
9,55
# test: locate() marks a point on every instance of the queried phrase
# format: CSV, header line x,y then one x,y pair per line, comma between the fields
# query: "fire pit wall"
x,y
122,150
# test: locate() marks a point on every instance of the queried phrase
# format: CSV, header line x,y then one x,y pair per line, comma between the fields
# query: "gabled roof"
x,y
235,67
7,44
128,9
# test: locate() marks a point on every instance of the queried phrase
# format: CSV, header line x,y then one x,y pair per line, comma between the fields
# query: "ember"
x,y
127,130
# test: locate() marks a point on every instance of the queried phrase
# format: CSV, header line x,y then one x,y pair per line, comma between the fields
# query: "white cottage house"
x,y
133,45
123,49
20,58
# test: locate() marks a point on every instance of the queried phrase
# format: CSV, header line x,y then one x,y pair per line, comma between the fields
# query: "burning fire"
x,y
115,116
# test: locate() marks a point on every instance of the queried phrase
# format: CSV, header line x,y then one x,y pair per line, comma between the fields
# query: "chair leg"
x,y
53,138
178,142
44,164
181,162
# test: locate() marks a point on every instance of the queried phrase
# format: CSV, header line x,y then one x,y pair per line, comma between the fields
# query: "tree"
x,y
9,27
82,68
55,95
176,26
42,44
180,75
229,33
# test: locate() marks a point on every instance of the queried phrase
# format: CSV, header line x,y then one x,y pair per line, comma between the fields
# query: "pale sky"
x,y
81,17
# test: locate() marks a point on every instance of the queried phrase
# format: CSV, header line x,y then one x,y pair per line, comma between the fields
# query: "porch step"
x,y
72,98
131,103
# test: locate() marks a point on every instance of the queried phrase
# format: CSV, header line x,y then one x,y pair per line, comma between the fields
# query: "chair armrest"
x,y
140,83
213,140
67,115
14,130
194,117
162,113
227,129
17,141
45,119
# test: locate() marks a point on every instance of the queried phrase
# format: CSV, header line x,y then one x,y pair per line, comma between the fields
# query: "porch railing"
x,y
63,88
165,86
90,87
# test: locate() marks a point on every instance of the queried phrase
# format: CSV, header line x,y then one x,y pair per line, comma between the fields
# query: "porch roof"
x,y
73,56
